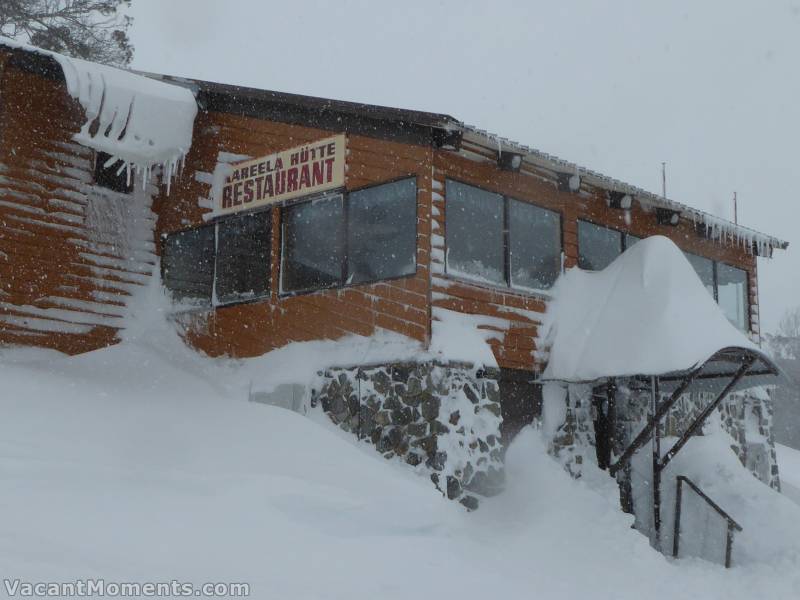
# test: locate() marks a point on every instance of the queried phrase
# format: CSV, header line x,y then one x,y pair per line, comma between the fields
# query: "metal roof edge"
x,y
606,182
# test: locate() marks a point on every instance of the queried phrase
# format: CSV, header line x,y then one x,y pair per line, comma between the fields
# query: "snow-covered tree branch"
x,y
95,30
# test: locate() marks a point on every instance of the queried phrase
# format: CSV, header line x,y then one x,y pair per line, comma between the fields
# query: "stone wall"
x,y
443,420
747,416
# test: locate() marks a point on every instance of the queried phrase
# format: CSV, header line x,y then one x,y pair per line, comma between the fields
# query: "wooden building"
x,y
412,214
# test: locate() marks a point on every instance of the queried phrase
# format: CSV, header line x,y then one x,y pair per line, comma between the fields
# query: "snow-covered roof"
x,y
135,119
647,313
717,227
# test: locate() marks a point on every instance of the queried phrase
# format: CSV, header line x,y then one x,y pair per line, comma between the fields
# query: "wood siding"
x,y
399,305
69,252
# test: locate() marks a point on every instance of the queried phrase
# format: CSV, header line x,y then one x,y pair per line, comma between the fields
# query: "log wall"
x,y
70,252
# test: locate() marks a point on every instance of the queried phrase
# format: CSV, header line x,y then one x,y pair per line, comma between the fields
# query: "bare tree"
x,y
786,342
92,29
789,325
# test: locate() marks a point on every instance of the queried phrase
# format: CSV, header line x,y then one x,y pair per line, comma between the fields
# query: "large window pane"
x,y
475,247
243,245
705,270
187,264
312,245
597,246
382,232
535,245
732,294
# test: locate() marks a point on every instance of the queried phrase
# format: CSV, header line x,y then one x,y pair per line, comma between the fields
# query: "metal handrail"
x,y
732,524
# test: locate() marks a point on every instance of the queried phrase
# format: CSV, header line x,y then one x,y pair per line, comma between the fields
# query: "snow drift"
x,y
647,313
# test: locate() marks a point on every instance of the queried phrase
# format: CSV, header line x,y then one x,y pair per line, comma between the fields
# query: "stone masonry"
x,y
444,420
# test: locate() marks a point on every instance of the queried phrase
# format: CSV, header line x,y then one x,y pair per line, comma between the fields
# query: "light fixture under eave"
x,y
509,161
665,216
620,200
569,182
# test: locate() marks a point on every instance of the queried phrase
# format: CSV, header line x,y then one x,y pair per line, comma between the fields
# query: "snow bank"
x,y
789,466
137,120
647,313
145,462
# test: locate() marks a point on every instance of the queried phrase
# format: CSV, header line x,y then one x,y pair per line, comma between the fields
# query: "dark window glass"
x,y
597,246
114,176
187,264
535,245
732,294
705,270
312,245
475,246
631,239
243,249
382,232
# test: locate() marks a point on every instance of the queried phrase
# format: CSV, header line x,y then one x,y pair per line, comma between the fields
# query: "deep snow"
x,y
146,462
649,292
789,461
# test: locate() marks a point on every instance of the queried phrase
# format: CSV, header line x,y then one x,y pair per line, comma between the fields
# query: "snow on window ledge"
x,y
493,286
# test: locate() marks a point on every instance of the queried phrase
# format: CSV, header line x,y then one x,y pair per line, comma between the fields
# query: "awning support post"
x,y
656,463
644,434
701,418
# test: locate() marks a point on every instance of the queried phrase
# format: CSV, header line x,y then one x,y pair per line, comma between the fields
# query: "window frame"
x,y
506,230
213,302
344,194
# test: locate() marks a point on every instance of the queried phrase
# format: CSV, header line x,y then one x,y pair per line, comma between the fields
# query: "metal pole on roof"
x,y
664,180
735,210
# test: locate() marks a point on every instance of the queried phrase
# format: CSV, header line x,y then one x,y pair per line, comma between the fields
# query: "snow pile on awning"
x,y
647,313
137,120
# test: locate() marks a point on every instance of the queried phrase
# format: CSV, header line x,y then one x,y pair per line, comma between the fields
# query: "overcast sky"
x,y
712,87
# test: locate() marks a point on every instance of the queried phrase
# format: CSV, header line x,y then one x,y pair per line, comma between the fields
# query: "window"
x,y
727,285
501,241
369,235
535,241
242,269
705,271
221,263
382,232
475,238
732,295
312,244
114,176
598,246
187,264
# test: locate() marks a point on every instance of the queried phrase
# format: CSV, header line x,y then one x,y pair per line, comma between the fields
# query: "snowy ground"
x,y
145,462
789,464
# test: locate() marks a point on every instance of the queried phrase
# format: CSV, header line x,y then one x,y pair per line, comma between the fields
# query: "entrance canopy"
x,y
646,314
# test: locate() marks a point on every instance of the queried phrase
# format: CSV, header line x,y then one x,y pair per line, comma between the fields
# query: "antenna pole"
x,y
664,180
735,209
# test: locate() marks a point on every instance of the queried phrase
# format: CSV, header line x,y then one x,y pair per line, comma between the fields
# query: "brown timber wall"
x,y
400,305
70,253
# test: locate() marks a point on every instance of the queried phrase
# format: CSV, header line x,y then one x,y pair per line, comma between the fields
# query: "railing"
x,y
731,524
